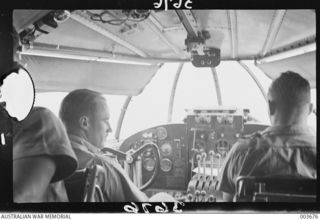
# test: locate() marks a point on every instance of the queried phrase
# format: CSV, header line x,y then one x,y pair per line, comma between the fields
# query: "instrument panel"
x,y
190,152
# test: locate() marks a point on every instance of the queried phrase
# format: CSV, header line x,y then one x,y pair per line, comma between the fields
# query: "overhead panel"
x,y
73,34
297,25
273,31
156,27
172,29
150,41
86,20
253,26
65,75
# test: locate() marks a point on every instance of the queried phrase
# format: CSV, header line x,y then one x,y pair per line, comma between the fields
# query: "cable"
x,y
98,17
130,16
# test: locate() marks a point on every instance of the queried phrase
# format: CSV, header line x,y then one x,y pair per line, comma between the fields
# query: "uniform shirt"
x,y
43,134
116,185
277,151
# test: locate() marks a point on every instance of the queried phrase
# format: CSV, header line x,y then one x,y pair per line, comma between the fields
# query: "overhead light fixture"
x,y
289,53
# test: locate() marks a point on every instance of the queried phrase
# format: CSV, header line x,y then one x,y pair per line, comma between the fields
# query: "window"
x,y
150,108
240,90
195,89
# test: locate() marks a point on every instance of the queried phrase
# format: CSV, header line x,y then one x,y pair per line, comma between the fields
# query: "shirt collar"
x,y
85,143
290,129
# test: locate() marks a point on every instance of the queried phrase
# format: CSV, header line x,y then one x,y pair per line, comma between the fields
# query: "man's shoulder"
x,y
248,140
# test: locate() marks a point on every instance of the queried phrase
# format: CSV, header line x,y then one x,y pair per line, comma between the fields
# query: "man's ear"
x,y
84,122
272,107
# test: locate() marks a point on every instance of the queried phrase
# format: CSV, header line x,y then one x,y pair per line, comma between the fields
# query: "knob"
x,y
211,153
198,157
203,193
222,135
197,192
211,198
237,135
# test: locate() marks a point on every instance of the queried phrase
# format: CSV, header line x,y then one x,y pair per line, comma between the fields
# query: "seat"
x,y
83,185
275,189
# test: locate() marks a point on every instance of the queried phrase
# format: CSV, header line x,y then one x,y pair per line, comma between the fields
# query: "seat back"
x,y
275,189
83,185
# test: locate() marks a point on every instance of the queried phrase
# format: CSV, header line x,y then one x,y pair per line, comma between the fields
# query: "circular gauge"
x,y
166,165
166,149
162,133
222,147
149,164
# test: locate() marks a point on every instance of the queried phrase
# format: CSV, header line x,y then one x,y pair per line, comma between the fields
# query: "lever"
x,y
211,154
197,194
189,197
203,194
219,161
199,165
204,156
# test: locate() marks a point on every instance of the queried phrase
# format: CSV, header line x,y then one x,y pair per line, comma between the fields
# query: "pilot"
x,y
286,148
86,116
42,154
42,158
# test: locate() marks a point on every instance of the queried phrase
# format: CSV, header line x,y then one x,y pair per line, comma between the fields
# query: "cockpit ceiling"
x,y
247,29
239,34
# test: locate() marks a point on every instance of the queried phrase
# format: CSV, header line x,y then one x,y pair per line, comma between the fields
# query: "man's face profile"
x,y
99,126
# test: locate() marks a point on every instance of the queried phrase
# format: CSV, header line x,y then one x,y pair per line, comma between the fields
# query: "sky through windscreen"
x,y
195,89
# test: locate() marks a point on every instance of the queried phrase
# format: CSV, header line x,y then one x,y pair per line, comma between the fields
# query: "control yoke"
x,y
133,155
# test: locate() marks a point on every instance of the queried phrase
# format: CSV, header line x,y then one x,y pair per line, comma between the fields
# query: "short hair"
x,y
290,90
78,103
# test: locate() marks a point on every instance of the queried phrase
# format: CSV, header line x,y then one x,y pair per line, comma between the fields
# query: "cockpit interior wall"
x,y
69,74
304,64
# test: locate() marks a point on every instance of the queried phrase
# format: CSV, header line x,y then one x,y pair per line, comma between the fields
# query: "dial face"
x,y
166,165
166,149
222,147
162,133
149,164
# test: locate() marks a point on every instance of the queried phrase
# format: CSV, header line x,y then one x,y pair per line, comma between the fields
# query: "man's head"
x,y
86,111
289,99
